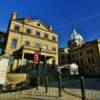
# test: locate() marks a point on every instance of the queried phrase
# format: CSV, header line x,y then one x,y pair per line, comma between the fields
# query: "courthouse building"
x,y
85,54
25,36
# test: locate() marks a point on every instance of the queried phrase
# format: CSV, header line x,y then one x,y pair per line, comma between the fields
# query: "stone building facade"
x,y
85,54
64,56
24,37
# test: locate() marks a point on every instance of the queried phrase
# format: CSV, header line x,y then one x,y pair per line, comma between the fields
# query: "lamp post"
x,y
75,71
46,72
37,61
38,77
46,77
82,86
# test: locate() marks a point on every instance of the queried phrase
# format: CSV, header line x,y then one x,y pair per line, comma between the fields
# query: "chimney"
x,y
50,27
13,17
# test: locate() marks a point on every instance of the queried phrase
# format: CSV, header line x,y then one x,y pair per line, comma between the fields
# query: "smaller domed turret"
x,y
76,39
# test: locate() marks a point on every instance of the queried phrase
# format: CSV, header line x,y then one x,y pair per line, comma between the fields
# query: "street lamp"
x,y
82,88
38,77
75,71
46,77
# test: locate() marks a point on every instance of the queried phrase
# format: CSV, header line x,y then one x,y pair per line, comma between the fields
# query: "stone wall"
x,y
14,78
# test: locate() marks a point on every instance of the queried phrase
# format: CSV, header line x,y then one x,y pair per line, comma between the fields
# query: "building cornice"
x,y
35,27
87,44
44,51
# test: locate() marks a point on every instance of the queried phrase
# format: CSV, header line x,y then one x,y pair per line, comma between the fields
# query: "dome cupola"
x,y
76,40
75,35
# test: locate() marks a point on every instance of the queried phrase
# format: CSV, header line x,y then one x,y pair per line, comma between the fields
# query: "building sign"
x,y
11,60
36,57
24,62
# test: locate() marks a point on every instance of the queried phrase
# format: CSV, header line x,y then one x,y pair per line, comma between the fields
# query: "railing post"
x,y
59,83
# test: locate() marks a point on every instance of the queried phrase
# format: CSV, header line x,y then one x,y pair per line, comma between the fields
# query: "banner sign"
x,y
36,57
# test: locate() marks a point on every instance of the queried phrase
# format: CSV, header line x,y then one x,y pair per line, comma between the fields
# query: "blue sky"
x,y
62,14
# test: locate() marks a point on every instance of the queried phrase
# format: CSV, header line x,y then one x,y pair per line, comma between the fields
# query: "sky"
x,y
61,14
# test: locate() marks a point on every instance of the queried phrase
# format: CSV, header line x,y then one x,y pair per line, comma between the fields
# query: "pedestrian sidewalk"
x,y
37,95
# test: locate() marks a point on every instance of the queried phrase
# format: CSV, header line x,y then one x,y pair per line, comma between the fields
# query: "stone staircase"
x,y
33,93
37,94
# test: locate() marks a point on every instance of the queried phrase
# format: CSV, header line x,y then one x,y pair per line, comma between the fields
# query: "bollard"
x,y
82,88
59,83
38,78
46,84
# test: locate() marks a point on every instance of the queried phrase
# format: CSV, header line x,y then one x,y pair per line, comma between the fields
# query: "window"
x,y
75,45
14,43
93,61
76,54
46,36
94,70
53,38
73,56
63,63
16,28
45,47
62,50
37,45
77,62
80,53
38,24
87,51
91,50
81,61
27,43
1,40
38,33
89,61
53,49
63,57
0,51
68,57
29,30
